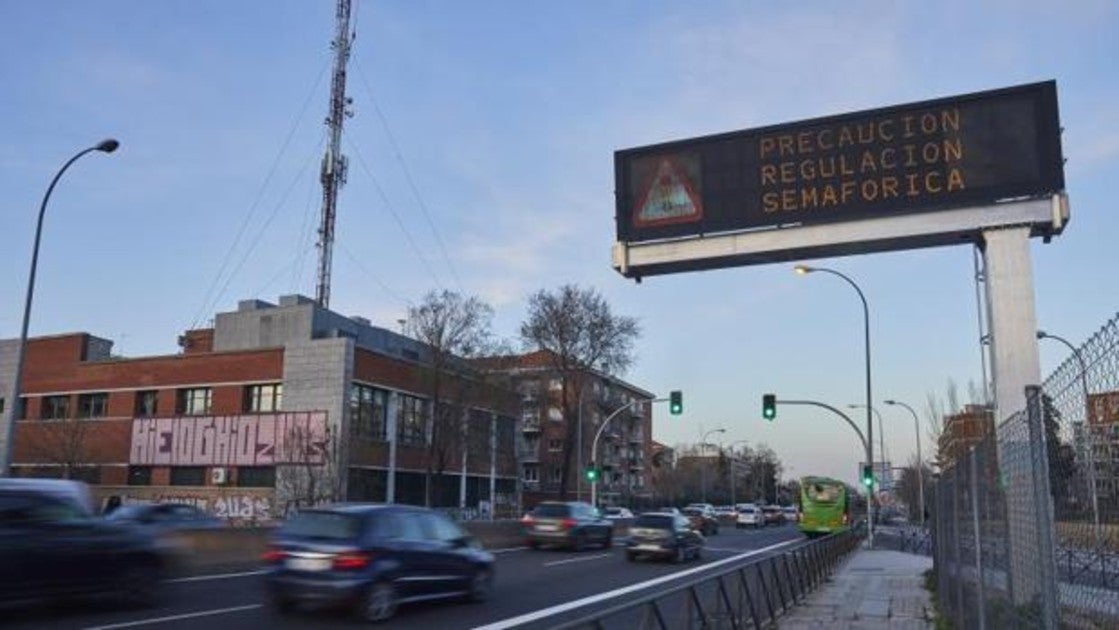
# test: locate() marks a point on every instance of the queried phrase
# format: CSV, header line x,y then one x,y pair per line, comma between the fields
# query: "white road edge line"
x,y
579,559
592,599
220,576
507,549
194,615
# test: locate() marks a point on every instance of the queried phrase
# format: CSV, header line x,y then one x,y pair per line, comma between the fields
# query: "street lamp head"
x,y
890,402
854,406
107,146
803,269
1041,334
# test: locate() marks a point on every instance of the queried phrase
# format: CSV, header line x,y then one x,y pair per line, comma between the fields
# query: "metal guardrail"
x,y
749,595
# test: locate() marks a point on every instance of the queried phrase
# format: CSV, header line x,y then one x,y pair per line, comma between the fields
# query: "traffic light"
x,y
676,402
868,476
769,406
592,473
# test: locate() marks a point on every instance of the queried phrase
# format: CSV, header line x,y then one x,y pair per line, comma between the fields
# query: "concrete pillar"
x,y
1015,365
392,408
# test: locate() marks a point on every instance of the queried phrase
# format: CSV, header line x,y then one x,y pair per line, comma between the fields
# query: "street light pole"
x,y
105,146
598,434
920,461
803,270
1041,334
703,464
733,493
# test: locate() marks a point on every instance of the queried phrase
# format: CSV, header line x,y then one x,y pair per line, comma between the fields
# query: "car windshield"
x,y
612,511
316,524
127,513
551,510
653,521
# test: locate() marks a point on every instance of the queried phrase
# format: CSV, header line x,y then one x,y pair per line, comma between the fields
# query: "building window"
x,y
93,405
412,420
146,403
195,401
555,384
555,414
1,404
139,475
531,473
556,475
368,412
555,445
264,398
264,477
55,408
188,475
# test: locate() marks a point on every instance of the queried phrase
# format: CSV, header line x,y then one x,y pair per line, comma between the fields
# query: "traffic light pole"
x,y
866,449
598,434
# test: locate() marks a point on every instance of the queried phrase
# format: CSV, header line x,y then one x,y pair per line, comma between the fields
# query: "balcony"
x,y
529,452
530,426
637,437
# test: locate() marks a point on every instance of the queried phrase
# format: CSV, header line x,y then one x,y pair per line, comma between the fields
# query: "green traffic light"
x,y
868,476
769,406
676,402
592,474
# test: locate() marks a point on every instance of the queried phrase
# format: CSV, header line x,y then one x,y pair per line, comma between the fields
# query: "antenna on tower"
x,y
334,164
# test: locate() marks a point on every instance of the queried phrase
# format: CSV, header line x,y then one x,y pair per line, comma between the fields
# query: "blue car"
x,y
372,558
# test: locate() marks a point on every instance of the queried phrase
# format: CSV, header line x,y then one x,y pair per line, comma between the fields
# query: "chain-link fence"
x,y
1026,517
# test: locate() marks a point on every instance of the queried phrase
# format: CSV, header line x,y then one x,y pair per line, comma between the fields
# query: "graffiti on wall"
x,y
240,440
241,506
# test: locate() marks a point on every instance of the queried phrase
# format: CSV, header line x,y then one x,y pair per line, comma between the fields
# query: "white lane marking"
x,y
593,599
220,576
579,559
194,615
507,549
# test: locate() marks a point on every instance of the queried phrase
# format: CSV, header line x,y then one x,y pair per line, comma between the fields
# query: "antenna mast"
x,y
334,164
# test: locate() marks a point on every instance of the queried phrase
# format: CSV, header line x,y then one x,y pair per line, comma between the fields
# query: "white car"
x,y
749,515
616,513
791,514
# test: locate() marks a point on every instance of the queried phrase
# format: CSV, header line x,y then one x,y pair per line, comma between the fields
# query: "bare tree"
x,y
60,442
579,332
455,329
313,474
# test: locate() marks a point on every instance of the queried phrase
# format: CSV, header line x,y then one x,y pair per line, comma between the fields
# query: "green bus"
x,y
825,508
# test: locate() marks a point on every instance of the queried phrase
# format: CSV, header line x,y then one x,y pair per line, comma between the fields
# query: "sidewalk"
x,y
873,589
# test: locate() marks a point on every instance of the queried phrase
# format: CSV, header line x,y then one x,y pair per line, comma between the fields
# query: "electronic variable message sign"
x,y
938,156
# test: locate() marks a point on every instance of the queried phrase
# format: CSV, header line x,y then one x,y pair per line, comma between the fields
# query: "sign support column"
x,y
1015,365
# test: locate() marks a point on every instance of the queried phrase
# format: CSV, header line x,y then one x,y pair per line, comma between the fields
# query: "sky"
x,y
481,160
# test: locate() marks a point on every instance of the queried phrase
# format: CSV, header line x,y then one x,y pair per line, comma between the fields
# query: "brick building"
x,y
251,410
961,431
624,451
1102,437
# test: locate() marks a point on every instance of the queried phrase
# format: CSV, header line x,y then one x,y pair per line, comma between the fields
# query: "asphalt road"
x,y
534,589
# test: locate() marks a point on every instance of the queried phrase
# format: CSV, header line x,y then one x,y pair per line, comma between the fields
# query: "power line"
x,y
260,234
392,211
408,174
256,202
376,279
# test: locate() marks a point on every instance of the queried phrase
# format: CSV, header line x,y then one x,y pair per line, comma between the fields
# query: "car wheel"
x,y
378,603
681,556
579,542
632,557
282,605
532,544
715,532
481,586
609,541
698,555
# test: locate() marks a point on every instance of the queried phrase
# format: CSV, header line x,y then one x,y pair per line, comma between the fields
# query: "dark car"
x,y
165,517
372,558
572,524
51,545
703,520
663,535
773,515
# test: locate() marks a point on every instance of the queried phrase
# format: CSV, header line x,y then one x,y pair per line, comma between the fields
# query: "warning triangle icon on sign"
x,y
670,197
